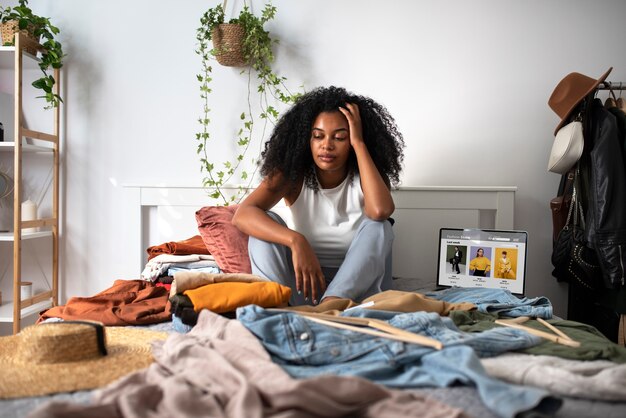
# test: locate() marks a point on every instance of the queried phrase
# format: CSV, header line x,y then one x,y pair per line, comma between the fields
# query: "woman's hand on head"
x,y
309,277
351,112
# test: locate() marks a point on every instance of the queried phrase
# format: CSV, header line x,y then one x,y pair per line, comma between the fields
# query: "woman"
x,y
480,265
332,158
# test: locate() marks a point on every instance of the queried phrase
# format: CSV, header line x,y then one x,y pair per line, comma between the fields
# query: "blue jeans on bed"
x,y
365,271
305,348
497,301
179,325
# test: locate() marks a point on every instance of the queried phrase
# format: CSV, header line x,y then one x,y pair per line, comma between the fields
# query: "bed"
x,y
161,213
166,213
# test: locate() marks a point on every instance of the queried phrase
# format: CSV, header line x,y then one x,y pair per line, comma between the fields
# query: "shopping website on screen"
x,y
482,258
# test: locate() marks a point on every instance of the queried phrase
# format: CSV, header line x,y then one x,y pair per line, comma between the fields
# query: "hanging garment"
x,y
604,182
620,119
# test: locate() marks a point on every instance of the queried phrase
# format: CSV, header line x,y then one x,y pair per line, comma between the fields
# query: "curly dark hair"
x,y
288,149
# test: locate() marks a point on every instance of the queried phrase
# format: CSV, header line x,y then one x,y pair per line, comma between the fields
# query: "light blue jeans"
x,y
179,325
305,348
497,301
365,271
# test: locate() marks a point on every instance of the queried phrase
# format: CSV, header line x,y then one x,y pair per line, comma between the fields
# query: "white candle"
x,y
26,290
29,213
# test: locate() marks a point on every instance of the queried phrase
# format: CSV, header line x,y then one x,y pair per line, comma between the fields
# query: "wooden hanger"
x,y
554,329
561,338
621,103
611,101
381,328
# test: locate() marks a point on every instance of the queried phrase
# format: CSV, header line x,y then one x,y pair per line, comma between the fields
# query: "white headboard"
x,y
167,213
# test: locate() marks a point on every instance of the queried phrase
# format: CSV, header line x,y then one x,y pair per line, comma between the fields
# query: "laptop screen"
x,y
482,258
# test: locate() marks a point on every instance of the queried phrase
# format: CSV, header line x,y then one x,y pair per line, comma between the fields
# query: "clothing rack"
x,y
610,85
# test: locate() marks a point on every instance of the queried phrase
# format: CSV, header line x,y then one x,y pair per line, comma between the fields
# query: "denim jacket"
x,y
497,301
305,348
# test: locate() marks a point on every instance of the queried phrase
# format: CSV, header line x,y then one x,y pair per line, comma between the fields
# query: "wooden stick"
x,y
419,339
518,320
412,339
547,336
382,326
554,329
356,323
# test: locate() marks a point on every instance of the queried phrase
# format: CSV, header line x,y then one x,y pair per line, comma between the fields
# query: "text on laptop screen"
x,y
482,258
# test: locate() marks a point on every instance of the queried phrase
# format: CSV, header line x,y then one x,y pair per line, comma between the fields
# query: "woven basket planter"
x,y
228,44
8,30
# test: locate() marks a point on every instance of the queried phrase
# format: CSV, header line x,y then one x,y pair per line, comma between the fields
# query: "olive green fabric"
x,y
594,345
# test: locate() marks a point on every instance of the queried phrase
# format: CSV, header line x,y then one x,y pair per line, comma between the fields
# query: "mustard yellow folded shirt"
x,y
228,296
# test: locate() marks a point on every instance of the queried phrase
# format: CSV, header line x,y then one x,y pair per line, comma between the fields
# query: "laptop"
x,y
482,258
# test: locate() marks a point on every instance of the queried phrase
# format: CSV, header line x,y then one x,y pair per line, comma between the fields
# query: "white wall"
x,y
468,83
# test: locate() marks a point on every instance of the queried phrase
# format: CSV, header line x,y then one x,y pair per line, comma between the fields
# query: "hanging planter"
x,y
241,42
228,47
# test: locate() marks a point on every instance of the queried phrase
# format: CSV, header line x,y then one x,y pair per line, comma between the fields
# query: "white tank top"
x,y
329,218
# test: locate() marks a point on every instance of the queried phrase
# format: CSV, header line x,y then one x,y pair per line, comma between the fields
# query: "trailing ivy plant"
x,y
269,88
43,31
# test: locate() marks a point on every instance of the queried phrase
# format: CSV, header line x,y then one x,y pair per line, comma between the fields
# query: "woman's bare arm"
x,y
252,219
378,201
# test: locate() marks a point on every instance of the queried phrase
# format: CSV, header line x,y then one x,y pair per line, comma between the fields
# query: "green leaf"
x,y
39,84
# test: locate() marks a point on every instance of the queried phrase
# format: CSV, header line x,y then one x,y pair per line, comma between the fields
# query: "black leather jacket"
x,y
604,192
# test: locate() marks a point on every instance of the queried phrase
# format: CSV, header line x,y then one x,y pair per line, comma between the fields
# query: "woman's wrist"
x,y
295,240
359,146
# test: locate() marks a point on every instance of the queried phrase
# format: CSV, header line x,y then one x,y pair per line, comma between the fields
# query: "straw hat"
x,y
570,91
68,356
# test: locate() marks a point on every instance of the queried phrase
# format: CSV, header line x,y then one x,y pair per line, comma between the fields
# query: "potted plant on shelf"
x,y
22,19
243,41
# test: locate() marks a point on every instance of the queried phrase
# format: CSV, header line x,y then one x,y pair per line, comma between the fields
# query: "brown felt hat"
x,y
69,356
570,91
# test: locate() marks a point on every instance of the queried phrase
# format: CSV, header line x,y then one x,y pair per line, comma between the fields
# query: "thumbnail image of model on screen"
x,y
507,262
456,259
480,265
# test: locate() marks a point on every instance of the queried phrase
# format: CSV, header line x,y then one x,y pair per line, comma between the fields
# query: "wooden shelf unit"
x,y
16,309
